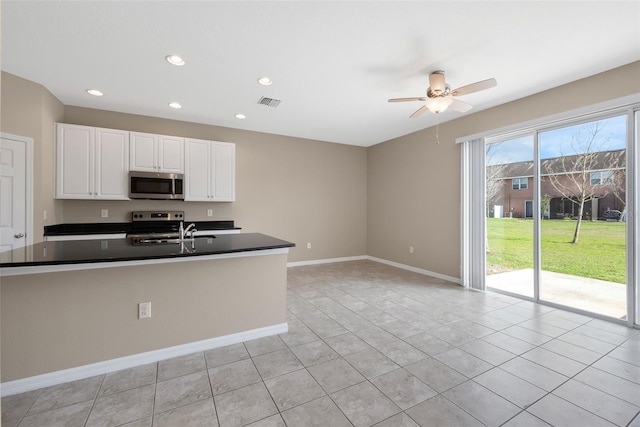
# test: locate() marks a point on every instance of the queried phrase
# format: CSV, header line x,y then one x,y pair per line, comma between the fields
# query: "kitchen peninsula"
x,y
70,308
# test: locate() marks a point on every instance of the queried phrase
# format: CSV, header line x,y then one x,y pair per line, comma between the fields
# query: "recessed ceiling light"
x,y
175,60
265,81
94,92
240,116
175,105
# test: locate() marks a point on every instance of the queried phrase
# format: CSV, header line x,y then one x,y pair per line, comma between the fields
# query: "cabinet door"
x,y
197,177
74,162
143,152
170,154
223,172
112,164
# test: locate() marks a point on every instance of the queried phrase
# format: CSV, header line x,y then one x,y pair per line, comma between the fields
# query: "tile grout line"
x,y
95,400
31,406
213,399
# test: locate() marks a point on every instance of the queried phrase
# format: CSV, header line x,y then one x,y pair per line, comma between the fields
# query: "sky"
x,y
561,142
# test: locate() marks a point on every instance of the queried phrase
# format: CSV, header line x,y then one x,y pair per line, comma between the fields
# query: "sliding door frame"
x,y
474,228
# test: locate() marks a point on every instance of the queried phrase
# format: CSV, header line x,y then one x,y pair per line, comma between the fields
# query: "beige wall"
x,y
61,320
414,182
28,109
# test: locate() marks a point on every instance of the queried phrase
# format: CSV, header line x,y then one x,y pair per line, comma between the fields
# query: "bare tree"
x,y
570,175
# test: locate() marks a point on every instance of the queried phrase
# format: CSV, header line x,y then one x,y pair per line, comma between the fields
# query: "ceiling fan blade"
x,y
418,112
460,106
415,98
474,87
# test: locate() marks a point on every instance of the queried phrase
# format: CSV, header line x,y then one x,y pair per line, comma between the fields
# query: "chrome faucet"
x,y
191,228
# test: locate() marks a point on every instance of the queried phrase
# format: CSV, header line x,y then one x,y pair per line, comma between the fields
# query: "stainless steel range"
x,y
156,227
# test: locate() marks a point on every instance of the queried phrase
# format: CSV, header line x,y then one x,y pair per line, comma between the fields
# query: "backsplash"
x,y
81,211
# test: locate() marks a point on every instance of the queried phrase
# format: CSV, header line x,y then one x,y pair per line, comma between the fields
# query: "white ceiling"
x,y
334,64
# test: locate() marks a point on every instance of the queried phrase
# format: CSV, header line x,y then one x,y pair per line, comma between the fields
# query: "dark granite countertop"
x,y
111,250
123,227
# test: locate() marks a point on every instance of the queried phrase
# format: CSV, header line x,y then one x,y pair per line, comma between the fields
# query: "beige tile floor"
x,y
369,345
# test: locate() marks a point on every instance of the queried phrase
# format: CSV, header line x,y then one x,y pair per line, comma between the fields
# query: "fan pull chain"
x,y
437,129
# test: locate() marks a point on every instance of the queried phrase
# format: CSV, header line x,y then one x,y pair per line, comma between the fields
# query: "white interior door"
x,y
15,193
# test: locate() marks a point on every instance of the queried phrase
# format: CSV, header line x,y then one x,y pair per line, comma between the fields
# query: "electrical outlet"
x,y
44,215
104,213
144,310
209,212
410,249
309,245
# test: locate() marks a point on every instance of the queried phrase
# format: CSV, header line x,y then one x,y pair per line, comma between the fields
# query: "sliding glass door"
x,y
509,229
582,186
556,215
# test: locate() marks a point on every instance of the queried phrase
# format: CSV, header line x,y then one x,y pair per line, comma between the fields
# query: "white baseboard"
x,y
326,261
58,377
416,270
381,261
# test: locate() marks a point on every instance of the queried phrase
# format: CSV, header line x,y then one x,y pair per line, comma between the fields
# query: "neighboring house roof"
x,y
603,160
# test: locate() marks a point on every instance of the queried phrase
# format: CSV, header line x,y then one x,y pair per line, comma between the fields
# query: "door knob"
x,y
18,235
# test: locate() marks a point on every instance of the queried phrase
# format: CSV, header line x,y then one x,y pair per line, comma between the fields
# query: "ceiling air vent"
x,y
269,102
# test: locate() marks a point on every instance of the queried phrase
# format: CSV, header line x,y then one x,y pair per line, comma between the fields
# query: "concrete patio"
x,y
596,296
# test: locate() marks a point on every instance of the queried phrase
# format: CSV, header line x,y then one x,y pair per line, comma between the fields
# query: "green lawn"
x,y
599,254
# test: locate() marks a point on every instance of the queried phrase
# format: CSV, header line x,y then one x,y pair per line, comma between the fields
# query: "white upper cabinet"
x,y
224,172
91,163
171,154
209,171
156,153
143,152
197,176
112,164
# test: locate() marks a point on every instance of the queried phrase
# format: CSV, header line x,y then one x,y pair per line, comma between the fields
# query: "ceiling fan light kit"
x,y
439,104
440,96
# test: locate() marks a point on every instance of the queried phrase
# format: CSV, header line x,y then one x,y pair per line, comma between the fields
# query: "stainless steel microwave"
x,y
156,185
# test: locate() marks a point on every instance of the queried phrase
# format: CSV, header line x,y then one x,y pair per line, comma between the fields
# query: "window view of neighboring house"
x,y
519,183
559,177
601,177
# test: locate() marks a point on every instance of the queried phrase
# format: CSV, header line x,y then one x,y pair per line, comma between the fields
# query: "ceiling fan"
x,y
440,96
